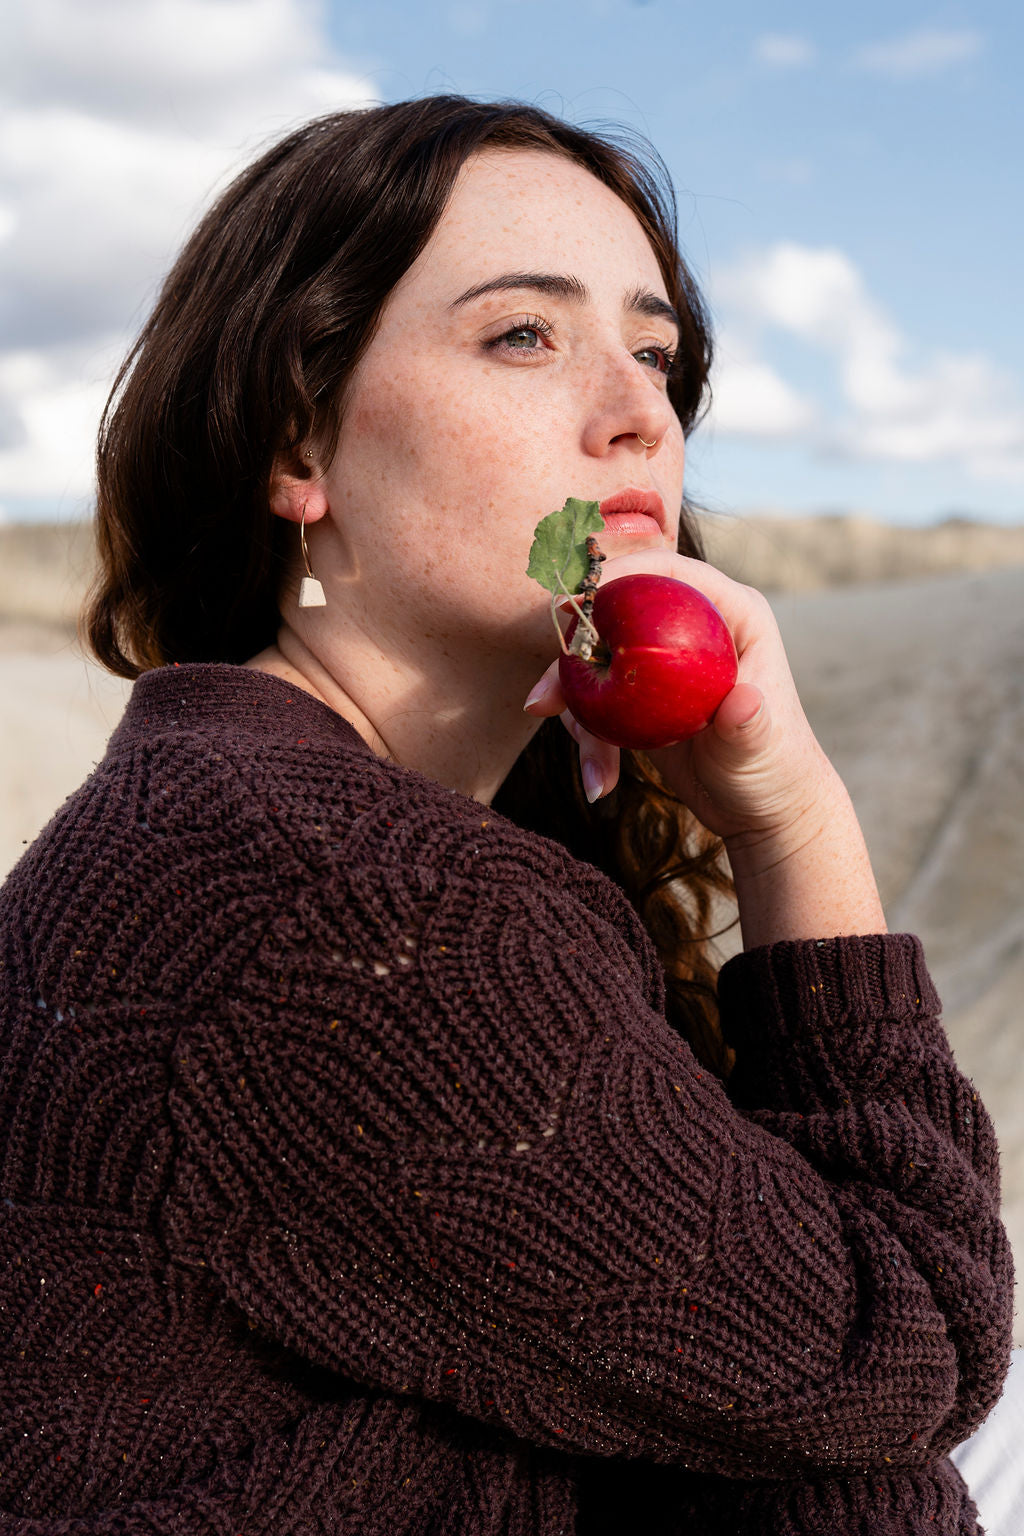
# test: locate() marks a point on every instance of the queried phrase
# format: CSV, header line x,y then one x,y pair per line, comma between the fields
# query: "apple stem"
x,y
558,627
588,586
586,634
587,637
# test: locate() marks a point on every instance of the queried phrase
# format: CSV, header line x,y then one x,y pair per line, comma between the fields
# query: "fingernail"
x,y
746,724
536,693
593,779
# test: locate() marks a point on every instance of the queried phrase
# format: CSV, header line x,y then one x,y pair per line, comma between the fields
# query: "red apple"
x,y
666,663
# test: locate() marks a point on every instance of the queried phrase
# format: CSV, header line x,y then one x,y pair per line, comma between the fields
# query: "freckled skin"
x,y
452,449
451,455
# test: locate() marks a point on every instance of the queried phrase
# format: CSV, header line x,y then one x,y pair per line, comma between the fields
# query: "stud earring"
x,y
311,592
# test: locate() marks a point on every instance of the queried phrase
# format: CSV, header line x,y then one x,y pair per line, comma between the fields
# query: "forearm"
x,y
813,880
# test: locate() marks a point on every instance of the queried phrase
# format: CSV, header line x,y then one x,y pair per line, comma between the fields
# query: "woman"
x,y
359,1174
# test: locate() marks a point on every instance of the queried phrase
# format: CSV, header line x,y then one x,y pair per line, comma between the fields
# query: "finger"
x,y
546,697
745,611
743,720
599,760
662,561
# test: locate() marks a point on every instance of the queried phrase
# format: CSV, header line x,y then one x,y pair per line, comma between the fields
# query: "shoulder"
x,y
227,798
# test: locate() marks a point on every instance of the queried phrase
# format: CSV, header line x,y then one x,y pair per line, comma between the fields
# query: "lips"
x,y
634,511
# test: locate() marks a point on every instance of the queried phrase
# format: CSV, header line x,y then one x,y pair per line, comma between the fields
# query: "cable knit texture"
x,y
353,1180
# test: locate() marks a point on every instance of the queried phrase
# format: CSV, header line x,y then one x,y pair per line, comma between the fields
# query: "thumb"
x,y
742,720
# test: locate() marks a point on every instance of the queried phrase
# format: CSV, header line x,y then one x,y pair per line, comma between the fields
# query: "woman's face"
x,y
515,364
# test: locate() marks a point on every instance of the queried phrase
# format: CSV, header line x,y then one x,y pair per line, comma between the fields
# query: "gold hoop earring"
x,y
646,443
311,592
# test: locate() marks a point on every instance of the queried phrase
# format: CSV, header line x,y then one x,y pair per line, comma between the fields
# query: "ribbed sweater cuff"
x,y
804,1016
909,1503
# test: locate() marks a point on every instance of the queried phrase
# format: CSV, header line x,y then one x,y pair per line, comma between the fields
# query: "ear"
x,y
296,481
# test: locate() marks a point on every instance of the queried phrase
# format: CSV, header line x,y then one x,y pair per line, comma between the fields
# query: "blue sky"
x,y
849,187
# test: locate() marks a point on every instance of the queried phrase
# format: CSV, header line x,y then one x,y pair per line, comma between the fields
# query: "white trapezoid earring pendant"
x,y
311,592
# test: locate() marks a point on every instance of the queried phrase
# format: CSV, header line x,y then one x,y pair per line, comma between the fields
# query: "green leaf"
x,y
559,547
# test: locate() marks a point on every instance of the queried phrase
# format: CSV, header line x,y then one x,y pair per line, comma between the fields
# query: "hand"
x,y
756,776
757,767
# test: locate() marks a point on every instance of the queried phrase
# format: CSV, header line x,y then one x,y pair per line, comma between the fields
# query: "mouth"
x,y
634,512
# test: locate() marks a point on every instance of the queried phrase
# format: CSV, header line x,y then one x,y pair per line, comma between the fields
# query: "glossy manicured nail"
x,y
537,693
593,779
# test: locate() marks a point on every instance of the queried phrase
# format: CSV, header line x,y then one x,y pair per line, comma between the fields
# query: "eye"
x,y
662,359
526,336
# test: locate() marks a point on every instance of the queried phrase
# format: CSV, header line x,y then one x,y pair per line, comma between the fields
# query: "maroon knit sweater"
x,y
354,1182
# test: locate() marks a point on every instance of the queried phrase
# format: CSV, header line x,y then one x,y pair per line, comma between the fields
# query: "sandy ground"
x,y
57,714
916,690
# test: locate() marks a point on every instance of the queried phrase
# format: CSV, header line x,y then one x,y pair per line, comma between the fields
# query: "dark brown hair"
x,y
247,354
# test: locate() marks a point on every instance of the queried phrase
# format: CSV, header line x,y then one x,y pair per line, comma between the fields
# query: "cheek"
x,y
675,455
385,424
430,484
427,434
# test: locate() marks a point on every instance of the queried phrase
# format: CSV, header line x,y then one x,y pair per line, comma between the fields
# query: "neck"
x,y
461,726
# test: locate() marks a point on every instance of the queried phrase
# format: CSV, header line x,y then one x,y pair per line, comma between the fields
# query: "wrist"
x,y
757,852
807,878
785,832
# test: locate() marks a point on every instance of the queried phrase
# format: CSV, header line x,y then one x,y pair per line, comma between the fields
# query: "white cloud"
x,y
198,63
117,121
784,50
59,394
751,399
928,51
889,402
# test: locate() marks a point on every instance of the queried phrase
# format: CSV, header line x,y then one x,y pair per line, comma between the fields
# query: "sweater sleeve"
x,y
840,1052
440,1138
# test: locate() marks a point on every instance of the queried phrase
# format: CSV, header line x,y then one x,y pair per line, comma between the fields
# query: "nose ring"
x,y
645,442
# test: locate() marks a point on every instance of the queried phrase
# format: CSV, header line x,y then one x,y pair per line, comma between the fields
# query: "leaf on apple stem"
x,y
558,556
564,559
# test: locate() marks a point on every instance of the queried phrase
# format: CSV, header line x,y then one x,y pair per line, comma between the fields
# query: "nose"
x,y
627,407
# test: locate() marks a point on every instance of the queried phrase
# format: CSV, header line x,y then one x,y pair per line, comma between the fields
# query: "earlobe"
x,y
296,482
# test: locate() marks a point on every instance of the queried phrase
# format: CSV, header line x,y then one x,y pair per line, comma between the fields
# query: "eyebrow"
x,y
556,285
